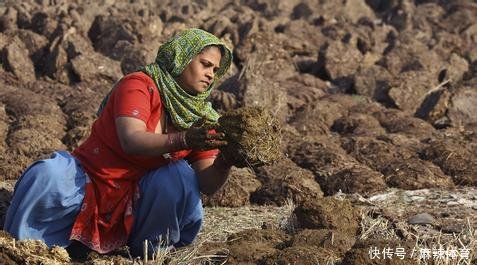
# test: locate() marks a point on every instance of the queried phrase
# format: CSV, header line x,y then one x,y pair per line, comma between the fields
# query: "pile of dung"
x,y
253,137
30,252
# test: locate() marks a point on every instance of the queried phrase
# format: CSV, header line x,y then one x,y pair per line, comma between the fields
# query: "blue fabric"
x,y
169,209
46,200
48,196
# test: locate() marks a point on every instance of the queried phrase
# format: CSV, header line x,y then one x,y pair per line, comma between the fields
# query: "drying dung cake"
x,y
253,137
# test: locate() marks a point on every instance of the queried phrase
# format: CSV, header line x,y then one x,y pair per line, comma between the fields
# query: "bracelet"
x,y
176,141
183,140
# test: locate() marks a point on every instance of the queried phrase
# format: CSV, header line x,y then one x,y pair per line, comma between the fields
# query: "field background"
x,y
376,102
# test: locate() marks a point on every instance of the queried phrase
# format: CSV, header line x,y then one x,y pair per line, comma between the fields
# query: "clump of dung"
x,y
253,137
29,251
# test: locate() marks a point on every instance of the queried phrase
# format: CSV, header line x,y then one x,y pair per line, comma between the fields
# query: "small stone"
x,y
382,197
417,198
421,219
452,203
444,214
452,229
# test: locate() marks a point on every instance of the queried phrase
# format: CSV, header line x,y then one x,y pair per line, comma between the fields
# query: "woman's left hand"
x,y
203,139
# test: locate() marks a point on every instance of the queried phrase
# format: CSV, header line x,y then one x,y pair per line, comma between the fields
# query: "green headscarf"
x,y
172,58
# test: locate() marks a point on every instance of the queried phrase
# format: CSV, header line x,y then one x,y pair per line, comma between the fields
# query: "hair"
x,y
220,47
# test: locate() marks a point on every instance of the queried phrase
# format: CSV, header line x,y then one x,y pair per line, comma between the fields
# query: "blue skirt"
x,y
48,197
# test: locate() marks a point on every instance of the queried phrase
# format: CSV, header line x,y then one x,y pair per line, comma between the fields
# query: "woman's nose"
x,y
210,74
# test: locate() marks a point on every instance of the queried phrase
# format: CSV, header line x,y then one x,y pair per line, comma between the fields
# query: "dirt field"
x,y
376,101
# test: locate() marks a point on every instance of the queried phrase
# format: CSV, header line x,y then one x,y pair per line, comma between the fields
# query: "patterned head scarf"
x,y
172,58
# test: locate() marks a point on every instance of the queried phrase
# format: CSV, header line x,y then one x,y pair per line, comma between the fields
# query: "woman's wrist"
x,y
222,163
176,141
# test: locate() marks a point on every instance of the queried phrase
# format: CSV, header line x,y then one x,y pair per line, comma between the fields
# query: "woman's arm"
x,y
212,174
135,140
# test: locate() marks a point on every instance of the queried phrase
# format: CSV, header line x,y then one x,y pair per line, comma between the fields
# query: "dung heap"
x,y
253,136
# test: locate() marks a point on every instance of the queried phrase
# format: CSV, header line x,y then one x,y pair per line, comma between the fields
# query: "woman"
x,y
140,173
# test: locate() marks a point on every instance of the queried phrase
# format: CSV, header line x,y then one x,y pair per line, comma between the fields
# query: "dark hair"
x,y
220,47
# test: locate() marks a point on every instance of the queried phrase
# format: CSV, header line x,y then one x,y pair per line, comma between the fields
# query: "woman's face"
x,y
200,73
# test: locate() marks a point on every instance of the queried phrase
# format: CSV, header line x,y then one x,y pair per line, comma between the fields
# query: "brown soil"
x,y
455,159
5,196
338,241
29,252
358,124
251,246
236,192
307,255
285,180
400,166
358,99
334,169
323,214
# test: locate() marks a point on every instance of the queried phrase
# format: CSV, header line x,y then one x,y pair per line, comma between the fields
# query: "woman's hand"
x,y
203,138
212,173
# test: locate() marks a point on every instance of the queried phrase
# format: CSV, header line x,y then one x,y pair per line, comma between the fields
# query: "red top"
x,y
105,220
